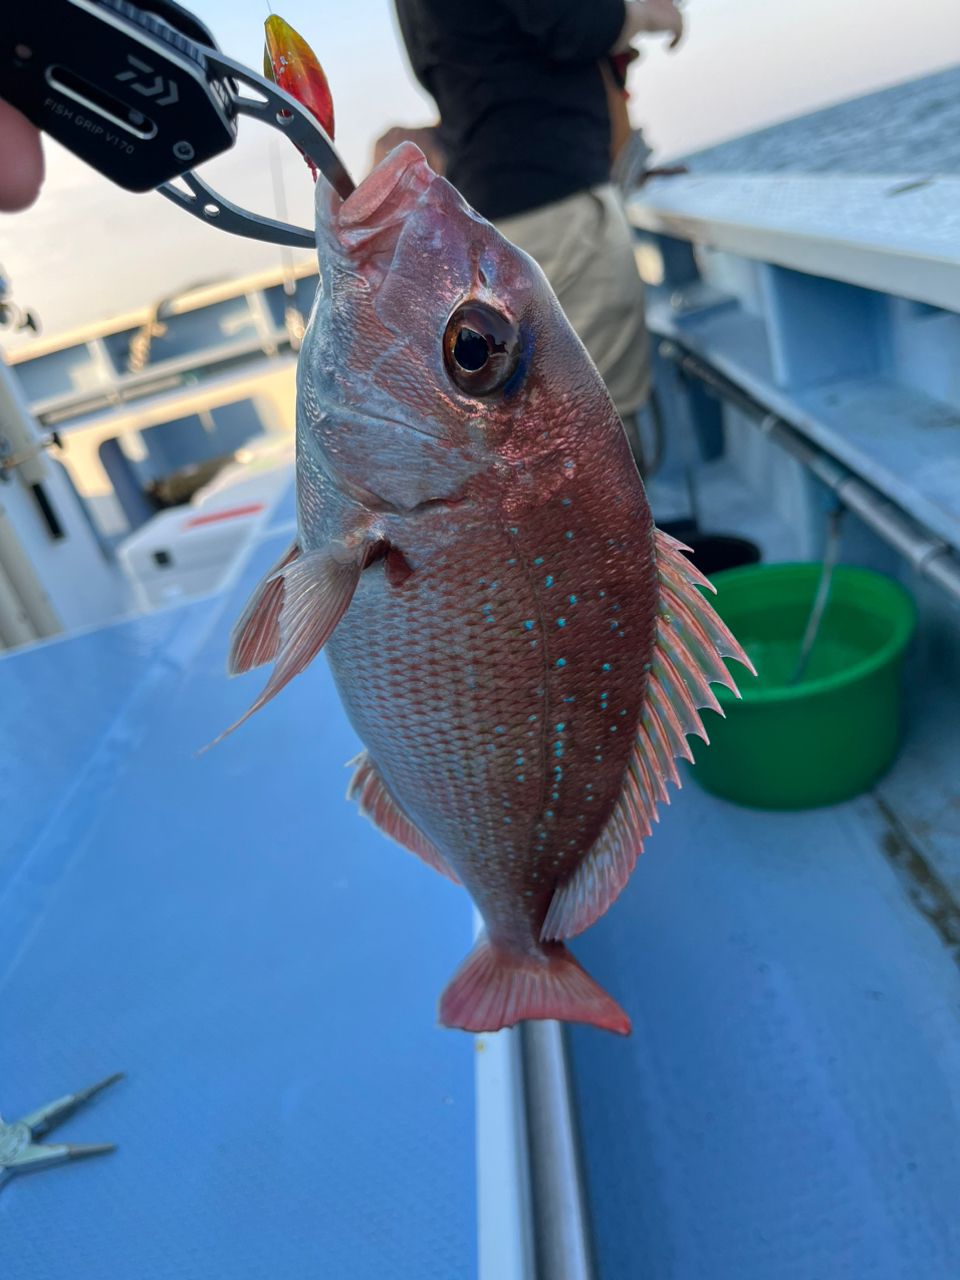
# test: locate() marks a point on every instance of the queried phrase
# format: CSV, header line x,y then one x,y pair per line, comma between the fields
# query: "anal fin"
x,y
376,803
691,643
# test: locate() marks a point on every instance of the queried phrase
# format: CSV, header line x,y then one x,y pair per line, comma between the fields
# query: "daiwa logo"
x,y
149,88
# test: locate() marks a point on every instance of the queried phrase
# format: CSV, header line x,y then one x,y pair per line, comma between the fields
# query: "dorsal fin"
x,y
376,803
691,643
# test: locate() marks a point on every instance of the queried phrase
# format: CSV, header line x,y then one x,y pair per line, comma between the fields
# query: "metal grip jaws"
x,y
274,107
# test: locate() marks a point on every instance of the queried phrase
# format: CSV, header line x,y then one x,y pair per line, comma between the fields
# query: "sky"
x,y
88,250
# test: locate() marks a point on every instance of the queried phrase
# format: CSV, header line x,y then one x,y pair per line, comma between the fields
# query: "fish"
x,y
522,653
290,63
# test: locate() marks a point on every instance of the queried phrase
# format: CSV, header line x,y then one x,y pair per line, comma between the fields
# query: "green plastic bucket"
x,y
830,736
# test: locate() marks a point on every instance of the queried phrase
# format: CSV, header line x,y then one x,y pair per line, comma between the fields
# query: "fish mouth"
x,y
394,186
367,225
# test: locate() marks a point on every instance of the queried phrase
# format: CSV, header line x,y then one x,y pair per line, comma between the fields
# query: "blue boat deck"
x,y
264,966
788,1102
260,961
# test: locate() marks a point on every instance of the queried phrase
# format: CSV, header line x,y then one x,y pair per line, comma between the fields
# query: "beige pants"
x,y
585,247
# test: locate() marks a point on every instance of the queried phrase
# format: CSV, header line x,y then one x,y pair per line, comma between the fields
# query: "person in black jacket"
x,y
524,90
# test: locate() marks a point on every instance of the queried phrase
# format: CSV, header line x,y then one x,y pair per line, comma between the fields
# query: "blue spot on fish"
x,y
561,662
573,599
568,533
548,580
606,666
538,560
561,726
499,729
561,622
528,623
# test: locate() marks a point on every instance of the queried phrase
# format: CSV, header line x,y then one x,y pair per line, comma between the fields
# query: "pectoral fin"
x,y
294,613
256,637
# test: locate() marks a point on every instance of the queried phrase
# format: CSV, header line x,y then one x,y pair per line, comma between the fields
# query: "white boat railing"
x,y
894,234
826,309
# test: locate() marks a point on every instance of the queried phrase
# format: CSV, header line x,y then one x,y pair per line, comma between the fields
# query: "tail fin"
x,y
496,988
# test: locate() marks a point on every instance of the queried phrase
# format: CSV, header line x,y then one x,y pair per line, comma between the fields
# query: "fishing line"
x,y
831,554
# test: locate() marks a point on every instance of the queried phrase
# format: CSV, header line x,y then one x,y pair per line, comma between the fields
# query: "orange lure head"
x,y
290,63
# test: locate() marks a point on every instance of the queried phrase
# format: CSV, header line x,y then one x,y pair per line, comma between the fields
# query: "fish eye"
x,y
481,348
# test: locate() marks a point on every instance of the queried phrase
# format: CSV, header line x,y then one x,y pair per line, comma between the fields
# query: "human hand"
x,y
21,160
651,17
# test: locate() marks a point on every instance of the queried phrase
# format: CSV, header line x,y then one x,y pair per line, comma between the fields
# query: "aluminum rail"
x,y
561,1230
930,555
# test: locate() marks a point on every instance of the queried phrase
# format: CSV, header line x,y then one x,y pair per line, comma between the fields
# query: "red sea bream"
x,y
520,650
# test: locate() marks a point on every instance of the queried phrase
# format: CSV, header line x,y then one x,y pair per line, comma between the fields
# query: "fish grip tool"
x,y
144,95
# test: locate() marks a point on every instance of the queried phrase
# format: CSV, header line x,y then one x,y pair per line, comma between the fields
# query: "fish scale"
x,y
519,649
465,687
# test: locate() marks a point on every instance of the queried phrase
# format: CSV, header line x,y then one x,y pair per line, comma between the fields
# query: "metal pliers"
x,y
20,1153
